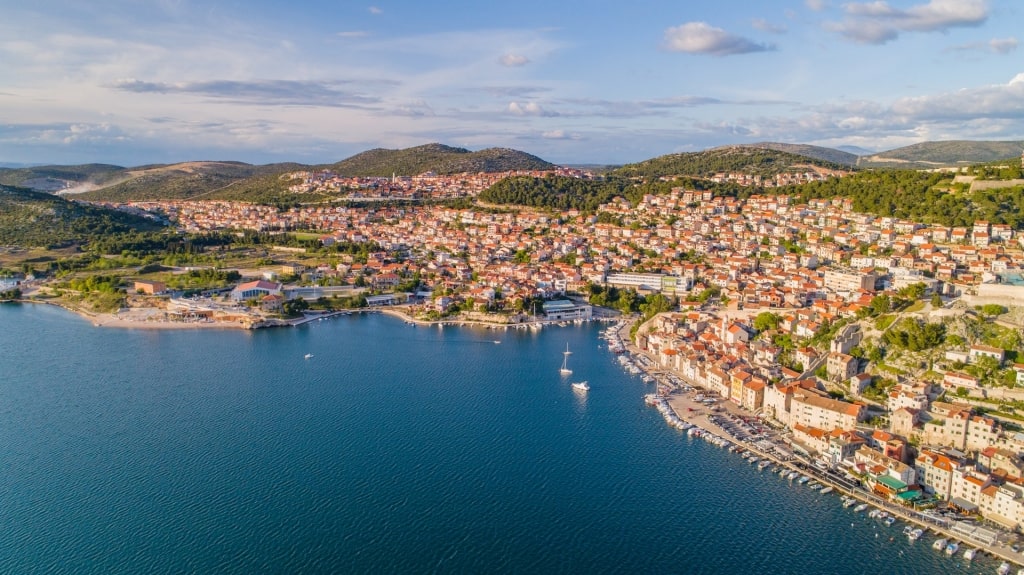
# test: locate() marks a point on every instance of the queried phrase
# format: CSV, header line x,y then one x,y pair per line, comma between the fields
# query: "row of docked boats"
x,y
950,548
661,403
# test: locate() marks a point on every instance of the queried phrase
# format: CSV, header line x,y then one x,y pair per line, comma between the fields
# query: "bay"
x,y
392,449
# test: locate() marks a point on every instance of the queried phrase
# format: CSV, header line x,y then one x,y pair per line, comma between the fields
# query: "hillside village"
x,y
855,332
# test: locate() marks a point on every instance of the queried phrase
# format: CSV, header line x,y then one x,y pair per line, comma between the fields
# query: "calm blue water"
x,y
394,449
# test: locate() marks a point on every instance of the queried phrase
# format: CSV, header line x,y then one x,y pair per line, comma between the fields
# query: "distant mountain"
x,y
207,180
856,150
944,153
817,152
439,159
58,178
747,159
29,218
246,182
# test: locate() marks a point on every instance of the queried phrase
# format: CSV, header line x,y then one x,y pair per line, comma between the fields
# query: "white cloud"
x,y
528,109
702,38
374,10
816,5
1005,101
1003,45
353,34
513,60
877,22
561,135
995,46
766,26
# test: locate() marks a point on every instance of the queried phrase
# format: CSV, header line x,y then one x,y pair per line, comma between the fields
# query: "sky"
x,y
132,82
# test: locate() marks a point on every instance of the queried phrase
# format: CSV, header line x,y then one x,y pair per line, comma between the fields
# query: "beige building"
x,y
954,426
935,472
816,409
841,367
848,280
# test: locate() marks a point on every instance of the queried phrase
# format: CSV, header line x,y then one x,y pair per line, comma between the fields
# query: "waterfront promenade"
x,y
772,445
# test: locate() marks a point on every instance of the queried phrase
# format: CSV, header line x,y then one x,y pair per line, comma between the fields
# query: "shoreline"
x,y
113,320
136,318
680,405
687,414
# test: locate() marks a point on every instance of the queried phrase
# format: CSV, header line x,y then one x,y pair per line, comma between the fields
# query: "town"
x,y
882,347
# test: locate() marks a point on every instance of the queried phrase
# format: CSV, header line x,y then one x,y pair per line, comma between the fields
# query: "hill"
x,y
745,159
182,181
437,158
856,150
817,152
944,154
38,219
58,178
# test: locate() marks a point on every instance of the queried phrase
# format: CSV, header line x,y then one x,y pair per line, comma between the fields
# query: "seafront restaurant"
x,y
563,309
381,300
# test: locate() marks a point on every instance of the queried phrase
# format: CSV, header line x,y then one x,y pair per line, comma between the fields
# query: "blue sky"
x,y
132,81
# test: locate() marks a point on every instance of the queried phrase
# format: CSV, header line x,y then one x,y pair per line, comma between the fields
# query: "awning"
x,y
891,483
963,504
908,495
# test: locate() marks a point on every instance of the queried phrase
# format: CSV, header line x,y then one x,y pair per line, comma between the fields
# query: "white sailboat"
x,y
565,361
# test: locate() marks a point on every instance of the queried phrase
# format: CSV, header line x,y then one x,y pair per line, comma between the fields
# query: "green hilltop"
x,y
746,159
944,154
439,159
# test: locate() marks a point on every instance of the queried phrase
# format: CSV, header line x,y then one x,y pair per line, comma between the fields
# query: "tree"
x,y
521,257
655,304
992,310
766,320
880,304
912,292
936,300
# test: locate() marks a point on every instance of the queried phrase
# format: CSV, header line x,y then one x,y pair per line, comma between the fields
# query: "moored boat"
x,y
581,386
860,507
952,548
970,553
916,534
939,544
1004,568
827,489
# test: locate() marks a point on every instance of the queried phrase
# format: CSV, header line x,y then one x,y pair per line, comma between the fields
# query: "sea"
x,y
391,449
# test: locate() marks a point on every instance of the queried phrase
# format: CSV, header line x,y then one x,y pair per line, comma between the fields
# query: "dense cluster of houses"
x,y
428,185
814,262
959,456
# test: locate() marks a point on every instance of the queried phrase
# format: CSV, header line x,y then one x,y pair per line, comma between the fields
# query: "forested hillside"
x,y
187,180
39,219
744,159
439,159
920,196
